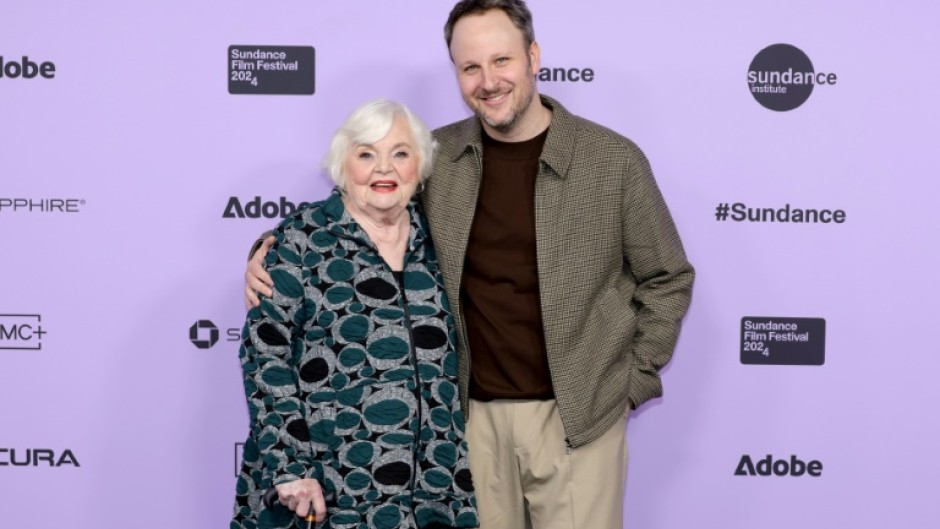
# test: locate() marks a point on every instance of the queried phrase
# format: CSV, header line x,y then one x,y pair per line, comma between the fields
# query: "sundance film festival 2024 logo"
x,y
271,70
781,77
782,340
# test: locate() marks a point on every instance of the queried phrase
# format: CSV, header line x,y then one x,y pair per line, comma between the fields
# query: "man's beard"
x,y
515,112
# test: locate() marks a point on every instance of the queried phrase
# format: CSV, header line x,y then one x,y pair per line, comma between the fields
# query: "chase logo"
x,y
21,331
204,334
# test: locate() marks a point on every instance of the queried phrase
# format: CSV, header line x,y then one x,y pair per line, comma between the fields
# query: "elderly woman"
x,y
350,366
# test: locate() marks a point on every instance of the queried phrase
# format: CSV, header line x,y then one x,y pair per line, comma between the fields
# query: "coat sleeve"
x,y
272,345
653,254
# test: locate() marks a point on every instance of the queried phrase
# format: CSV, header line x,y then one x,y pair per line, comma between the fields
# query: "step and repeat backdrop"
x,y
144,146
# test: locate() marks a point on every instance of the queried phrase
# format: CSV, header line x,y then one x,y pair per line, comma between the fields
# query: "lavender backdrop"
x,y
138,132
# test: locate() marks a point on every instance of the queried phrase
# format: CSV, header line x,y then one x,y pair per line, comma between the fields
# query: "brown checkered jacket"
x,y
614,280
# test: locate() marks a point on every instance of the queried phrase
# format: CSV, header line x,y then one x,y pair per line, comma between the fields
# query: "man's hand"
x,y
298,495
257,280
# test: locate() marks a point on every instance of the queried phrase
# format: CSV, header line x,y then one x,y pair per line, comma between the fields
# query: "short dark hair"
x,y
516,10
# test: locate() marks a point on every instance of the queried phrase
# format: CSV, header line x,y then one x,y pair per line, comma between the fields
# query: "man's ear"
x,y
535,57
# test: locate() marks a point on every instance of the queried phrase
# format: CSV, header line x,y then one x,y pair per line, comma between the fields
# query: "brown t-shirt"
x,y
500,291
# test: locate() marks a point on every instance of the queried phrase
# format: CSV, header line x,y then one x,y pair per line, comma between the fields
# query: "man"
x,y
567,280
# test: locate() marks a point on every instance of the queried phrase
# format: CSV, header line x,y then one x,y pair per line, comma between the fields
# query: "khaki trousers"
x,y
526,477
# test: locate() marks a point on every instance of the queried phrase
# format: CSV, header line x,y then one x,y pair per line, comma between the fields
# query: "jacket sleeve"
x,y
272,344
653,254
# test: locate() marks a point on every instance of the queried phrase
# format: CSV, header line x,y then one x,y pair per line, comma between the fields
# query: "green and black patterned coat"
x,y
352,382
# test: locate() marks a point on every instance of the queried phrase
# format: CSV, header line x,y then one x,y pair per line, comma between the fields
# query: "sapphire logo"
x,y
782,77
204,334
41,205
21,331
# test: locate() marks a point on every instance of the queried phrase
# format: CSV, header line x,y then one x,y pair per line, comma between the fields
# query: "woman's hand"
x,y
298,495
257,280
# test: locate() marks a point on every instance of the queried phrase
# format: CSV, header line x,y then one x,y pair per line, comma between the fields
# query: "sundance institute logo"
x,y
781,77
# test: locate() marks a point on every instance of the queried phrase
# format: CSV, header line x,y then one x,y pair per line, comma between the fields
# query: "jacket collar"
x,y
559,145
339,222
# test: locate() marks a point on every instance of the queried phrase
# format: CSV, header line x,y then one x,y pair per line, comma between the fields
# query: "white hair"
x,y
369,123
